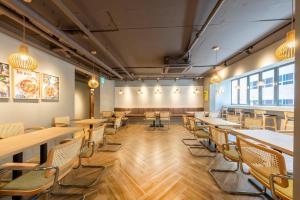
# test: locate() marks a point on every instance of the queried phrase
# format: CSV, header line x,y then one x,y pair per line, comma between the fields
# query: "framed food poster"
x,y
50,87
4,81
26,84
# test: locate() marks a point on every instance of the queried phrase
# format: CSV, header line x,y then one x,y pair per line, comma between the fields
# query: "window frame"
x,y
260,88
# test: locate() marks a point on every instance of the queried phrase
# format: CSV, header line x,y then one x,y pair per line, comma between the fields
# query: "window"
x,y
286,85
268,87
253,89
271,87
234,92
243,88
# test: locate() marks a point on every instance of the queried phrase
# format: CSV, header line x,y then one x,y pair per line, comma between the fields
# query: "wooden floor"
x,y
157,165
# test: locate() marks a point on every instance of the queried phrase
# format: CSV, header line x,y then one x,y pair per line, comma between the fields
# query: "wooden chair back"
x,y
262,160
97,135
252,123
219,137
119,114
149,115
289,119
64,156
11,129
234,118
199,114
62,121
164,115
107,114
259,113
192,123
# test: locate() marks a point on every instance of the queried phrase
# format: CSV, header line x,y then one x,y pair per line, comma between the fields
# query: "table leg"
x,y
43,153
16,173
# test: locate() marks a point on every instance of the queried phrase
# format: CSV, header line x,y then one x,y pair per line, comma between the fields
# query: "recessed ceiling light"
x,y
93,52
177,78
139,79
215,48
27,1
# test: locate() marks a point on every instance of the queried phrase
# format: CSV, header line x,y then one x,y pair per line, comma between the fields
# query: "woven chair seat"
x,y
32,180
201,134
286,192
232,153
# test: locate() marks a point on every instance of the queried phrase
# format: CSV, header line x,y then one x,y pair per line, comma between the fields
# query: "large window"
x,y
286,85
272,87
234,92
253,89
243,90
268,87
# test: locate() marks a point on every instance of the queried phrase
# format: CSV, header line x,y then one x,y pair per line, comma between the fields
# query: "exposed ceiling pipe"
x,y
83,28
48,27
204,27
16,18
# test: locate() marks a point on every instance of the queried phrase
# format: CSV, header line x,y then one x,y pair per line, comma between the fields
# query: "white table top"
x,y
267,108
17,144
218,122
279,141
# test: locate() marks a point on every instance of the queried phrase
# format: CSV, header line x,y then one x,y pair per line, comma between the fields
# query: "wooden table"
x,y
14,146
275,140
90,122
218,122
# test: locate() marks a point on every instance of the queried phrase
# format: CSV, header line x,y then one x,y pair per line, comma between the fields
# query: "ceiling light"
x,y
93,52
177,78
215,48
22,59
27,1
287,49
121,92
93,82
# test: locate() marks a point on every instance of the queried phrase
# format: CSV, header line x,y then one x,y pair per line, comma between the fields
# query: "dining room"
x,y
137,99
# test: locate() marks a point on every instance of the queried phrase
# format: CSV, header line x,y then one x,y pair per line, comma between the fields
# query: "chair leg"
x,y
197,143
102,171
201,156
109,146
81,194
234,192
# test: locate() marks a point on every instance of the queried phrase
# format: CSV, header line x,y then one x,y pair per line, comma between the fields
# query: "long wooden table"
x,y
275,140
17,144
217,122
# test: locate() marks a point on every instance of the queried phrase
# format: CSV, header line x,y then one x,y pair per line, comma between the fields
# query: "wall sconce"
x,y
196,91
177,91
157,91
121,92
220,91
139,91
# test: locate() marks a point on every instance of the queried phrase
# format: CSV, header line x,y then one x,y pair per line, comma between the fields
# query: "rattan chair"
x,y
109,115
96,137
200,133
43,179
150,117
287,126
230,154
165,117
268,167
190,141
13,129
262,114
235,118
252,123
65,121
214,114
185,122
123,117
111,130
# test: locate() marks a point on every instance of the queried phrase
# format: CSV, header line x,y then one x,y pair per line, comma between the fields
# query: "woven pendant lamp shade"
x,y
22,60
287,49
93,83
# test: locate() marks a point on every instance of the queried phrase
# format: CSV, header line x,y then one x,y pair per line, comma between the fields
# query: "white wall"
x,y
39,113
167,99
107,96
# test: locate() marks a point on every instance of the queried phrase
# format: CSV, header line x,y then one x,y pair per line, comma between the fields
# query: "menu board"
x,y
26,84
50,87
4,80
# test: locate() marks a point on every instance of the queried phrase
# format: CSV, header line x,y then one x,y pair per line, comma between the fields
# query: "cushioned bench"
x,y
175,112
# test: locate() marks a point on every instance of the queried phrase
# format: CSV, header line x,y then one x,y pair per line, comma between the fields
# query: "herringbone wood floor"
x,y
157,165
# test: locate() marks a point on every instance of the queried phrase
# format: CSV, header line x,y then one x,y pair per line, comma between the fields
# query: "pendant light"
x,y
216,78
93,82
287,49
22,59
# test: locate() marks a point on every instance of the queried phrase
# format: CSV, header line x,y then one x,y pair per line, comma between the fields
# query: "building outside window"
x,y
268,87
253,89
234,92
286,85
243,88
